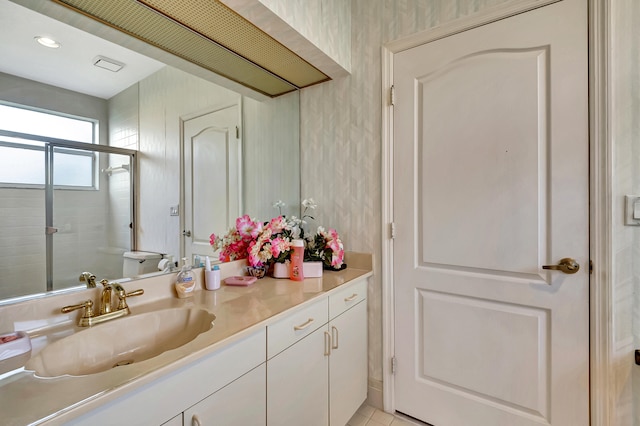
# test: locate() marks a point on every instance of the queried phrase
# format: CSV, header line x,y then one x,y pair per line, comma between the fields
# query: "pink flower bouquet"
x,y
325,246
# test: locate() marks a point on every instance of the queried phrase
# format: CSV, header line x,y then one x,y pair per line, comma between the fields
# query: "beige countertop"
x,y
240,311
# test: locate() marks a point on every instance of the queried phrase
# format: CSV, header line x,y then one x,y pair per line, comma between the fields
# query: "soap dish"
x,y
15,350
240,280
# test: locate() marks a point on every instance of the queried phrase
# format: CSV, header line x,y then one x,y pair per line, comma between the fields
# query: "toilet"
x,y
140,262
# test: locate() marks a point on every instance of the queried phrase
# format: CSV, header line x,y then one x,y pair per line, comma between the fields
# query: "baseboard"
x,y
374,394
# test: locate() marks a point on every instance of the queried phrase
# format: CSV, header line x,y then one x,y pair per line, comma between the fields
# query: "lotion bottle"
x,y
297,257
185,281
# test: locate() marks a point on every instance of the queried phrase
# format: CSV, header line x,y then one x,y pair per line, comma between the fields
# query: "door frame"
x,y
600,194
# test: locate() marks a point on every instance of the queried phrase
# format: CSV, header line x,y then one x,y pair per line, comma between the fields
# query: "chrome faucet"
x,y
89,278
105,308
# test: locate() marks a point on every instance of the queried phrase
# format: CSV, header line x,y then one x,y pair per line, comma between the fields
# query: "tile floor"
x,y
370,416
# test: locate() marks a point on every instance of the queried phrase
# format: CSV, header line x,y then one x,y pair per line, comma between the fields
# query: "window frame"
x,y
63,146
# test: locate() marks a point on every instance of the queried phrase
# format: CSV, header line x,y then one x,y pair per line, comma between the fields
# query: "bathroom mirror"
x,y
148,115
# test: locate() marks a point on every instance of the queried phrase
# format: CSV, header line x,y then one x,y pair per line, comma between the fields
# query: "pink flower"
x,y
277,224
247,228
279,246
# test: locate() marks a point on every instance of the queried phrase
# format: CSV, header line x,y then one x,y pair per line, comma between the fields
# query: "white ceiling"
x,y
71,65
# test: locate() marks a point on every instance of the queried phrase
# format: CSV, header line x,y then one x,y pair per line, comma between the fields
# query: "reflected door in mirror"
x,y
212,177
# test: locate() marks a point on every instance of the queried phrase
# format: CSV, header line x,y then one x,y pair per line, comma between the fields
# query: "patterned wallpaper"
x,y
341,144
625,134
326,23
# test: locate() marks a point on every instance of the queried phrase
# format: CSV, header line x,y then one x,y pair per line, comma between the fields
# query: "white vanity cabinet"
x,y
242,402
348,371
223,376
307,366
318,375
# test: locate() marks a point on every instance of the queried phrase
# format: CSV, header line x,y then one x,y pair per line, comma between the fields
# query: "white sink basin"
x,y
121,341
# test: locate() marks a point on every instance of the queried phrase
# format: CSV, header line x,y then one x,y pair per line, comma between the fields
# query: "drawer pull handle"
x,y
351,298
334,337
303,326
195,420
327,344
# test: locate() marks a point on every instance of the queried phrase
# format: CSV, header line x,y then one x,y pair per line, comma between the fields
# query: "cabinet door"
x,y
348,369
298,383
241,402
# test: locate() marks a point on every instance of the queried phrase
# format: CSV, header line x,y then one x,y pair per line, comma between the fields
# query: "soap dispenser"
x,y
185,281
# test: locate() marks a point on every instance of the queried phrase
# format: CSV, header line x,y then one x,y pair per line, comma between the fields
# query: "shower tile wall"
x,y
123,133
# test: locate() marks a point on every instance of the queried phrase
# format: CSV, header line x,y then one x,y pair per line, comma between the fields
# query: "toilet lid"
x,y
141,255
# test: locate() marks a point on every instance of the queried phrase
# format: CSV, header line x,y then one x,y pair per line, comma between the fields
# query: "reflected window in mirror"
x,y
23,143
66,202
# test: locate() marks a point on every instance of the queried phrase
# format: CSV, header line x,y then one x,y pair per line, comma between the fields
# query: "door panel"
x,y
490,184
470,175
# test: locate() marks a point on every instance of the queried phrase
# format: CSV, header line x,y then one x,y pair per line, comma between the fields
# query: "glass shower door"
x,y
91,214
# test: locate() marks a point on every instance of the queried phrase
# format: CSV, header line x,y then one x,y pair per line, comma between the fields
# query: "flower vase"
x,y
281,270
256,271
312,269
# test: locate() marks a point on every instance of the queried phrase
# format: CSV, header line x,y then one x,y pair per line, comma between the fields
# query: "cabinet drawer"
x,y
347,297
294,327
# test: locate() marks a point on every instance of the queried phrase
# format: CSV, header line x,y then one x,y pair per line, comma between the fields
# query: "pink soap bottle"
x,y
297,257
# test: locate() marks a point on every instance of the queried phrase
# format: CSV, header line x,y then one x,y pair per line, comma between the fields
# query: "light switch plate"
x,y
174,211
632,204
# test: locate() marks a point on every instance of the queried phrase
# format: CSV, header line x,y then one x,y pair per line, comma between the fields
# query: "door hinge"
x,y
237,132
392,95
392,230
590,266
394,365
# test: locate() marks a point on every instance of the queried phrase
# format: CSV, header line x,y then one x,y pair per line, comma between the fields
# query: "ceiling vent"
x,y
108,64
211,35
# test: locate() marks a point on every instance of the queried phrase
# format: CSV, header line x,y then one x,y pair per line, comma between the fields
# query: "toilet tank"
x,y
140,262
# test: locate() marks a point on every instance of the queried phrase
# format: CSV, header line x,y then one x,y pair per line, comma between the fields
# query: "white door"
x,y
212,183
490,184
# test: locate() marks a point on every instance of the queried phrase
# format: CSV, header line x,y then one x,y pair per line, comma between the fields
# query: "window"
x,y
25,136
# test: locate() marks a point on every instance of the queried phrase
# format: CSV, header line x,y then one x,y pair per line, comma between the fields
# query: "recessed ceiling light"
x,y
47,42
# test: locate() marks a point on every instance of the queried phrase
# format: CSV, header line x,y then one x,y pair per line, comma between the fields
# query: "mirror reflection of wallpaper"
x,y
340,132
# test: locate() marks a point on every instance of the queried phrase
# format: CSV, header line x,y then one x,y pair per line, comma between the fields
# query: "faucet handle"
x,y
122,295
87,305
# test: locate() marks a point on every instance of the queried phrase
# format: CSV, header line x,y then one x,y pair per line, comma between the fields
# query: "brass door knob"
x,y
566,265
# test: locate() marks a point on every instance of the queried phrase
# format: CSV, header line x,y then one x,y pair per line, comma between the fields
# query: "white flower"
x,y
309,203
278,204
